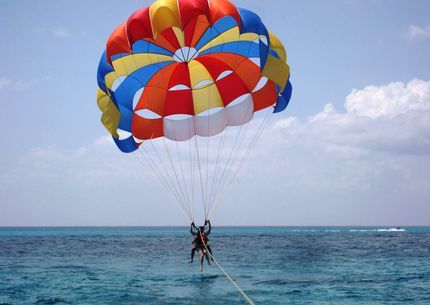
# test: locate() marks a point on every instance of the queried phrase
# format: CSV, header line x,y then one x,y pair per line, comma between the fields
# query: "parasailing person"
x,y
200,242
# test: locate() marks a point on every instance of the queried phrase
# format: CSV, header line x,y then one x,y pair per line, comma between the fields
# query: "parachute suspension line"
x,y
232,156
217,168
227,164
174,185
166,146
169,193
194,164
160,161
254,142
235,284
182,173
207,203
166,172
233,162
200,175
241,163
243,159
191,154
151,163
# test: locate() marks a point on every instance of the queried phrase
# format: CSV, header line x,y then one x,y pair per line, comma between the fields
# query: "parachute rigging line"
x,y
232,157
217,200
168,192
200,175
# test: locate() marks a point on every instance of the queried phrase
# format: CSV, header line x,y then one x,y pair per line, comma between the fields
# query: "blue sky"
x,y
355,140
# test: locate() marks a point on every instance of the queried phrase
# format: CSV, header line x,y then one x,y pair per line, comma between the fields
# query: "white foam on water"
x,y
378,230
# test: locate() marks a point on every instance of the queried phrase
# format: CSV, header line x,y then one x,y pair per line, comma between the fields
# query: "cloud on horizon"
x,y
60,32
57,32
8,83
378,147
415,31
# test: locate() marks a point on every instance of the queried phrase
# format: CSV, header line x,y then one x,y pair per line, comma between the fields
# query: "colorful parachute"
x,y
184,70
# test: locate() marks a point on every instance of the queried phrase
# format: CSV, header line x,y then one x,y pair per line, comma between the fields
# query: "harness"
x,y
201,239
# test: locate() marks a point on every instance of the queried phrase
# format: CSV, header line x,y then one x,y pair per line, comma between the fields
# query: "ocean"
x,y
274,266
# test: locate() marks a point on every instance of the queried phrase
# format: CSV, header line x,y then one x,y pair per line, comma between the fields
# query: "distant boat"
x,y
394,229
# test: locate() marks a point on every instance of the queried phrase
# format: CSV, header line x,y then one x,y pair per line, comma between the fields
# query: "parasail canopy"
x,y
176,76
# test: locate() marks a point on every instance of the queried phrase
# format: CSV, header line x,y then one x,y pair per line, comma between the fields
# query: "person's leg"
x,y
202,257
207,257
193,252
210,251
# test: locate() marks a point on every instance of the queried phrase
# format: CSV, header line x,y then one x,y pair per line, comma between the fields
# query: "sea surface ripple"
x,y
275,266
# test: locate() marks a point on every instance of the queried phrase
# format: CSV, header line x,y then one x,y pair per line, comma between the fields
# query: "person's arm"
x,y
192,228
208,222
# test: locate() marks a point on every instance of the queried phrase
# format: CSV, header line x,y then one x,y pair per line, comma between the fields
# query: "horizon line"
x,y
221,226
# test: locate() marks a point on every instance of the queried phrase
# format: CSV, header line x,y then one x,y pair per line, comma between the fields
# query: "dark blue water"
x,y
273,265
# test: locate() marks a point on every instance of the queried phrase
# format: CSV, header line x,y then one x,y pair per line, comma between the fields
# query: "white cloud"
x,y
100,164
385,130
391,100
14,84
415,31
60,32
5,83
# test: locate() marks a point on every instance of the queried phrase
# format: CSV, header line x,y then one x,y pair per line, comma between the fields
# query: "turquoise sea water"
x,y
273,265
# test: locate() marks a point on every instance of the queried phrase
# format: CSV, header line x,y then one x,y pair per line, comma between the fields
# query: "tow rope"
x,y
245,296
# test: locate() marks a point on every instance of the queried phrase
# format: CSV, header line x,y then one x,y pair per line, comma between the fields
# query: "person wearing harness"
x,y
200,242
